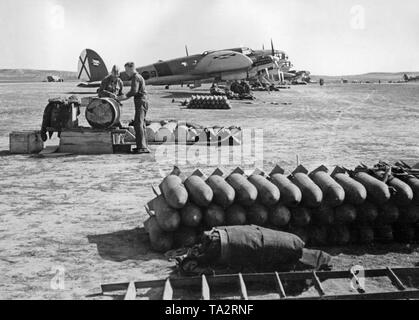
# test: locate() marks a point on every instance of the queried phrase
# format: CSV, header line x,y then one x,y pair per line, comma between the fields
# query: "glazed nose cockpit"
x,y
281,55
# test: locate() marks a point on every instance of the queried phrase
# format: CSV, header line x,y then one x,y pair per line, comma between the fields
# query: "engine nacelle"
x,y
222,61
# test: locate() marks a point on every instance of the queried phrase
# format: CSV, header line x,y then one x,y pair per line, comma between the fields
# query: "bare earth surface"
x,y
83,214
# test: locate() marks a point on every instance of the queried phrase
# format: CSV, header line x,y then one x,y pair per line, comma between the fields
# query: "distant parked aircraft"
x,y
53,79
406,78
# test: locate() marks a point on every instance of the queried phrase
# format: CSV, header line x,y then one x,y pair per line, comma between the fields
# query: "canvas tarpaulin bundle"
x,y
57,115
257,246
252,248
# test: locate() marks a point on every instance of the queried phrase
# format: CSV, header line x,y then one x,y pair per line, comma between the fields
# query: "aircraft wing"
x,y
95,84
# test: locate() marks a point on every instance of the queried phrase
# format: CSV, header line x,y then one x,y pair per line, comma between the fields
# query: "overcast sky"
x,y
324,36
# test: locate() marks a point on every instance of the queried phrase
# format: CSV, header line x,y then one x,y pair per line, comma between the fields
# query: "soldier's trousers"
x,y
141,108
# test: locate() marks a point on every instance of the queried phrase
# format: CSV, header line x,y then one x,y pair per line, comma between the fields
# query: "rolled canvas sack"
x,y
250,248
258,247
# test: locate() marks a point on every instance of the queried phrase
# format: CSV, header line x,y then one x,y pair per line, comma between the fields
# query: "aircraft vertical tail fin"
x,y
91,66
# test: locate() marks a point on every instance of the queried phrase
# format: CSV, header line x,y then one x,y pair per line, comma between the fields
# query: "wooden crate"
x,y
86,142
25,142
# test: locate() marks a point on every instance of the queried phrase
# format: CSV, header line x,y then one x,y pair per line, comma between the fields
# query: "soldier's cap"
x,y
115,70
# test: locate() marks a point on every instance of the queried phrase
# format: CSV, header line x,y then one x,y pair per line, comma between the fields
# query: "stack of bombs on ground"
x,y
175,131
345,207
207,102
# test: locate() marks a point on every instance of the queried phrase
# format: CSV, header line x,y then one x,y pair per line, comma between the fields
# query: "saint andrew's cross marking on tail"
x,y
91,66
84,67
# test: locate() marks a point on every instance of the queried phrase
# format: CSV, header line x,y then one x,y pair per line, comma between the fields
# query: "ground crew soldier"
x,y
245,87
139,93
235,87
112,85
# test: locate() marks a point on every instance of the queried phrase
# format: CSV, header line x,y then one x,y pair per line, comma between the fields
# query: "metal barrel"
x,y
103,113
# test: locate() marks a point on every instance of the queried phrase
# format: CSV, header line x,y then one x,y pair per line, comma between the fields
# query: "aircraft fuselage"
x,y
200,67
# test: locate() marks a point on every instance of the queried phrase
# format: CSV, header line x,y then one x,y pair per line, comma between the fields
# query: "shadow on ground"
x,y
82,92
5,153
183,94
375,249
123,245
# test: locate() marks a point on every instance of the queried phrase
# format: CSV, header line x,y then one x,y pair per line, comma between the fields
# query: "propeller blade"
x,y
275,61
187,52
272,47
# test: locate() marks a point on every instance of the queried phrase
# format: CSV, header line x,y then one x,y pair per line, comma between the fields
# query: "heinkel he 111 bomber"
x,y
211,66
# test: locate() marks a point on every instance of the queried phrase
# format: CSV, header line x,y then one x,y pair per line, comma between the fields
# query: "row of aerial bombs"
x,y
174,131
364,205
207,102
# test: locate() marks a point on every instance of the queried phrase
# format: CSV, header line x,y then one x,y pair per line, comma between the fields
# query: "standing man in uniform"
x,y
112,85
139,93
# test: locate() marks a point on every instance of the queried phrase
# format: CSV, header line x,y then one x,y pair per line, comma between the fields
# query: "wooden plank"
x,y
243,289
280,286
88,129
131,293
86,142
168,291
318,284
396,281
391,295
205,289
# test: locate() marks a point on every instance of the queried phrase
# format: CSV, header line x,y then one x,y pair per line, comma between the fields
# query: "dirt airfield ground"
x,y
82,214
